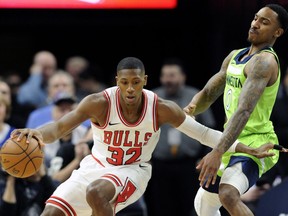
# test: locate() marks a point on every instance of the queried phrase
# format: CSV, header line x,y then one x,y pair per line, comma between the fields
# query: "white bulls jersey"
x,y
119,142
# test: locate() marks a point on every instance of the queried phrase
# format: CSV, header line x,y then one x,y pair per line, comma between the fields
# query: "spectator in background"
x,y
86,76
5,91
67,159
75,65
5,129
33,91
63,104
175,157
14,80
89,82
24,197
19,113
59,83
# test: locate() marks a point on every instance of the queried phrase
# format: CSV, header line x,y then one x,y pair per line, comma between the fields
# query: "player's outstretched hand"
x,y
208,167
20,133
263,151
190,109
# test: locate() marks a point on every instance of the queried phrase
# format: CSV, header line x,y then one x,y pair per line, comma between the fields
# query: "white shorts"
x,y
130,180
234,176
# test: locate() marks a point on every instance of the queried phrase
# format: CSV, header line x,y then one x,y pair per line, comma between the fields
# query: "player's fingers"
x,y
202,175
201,179
200,165
214,178
284,150
269,146
269,154
186,110
190,109
41,143
15,133
209,178
30,133
21,134
39,140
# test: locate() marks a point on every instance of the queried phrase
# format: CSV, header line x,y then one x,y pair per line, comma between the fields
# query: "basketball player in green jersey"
x,y
249,79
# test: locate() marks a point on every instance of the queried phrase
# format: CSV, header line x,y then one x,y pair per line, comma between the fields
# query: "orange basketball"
x,y
21,159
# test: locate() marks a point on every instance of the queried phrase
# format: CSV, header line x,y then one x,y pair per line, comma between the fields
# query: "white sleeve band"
x,y
205,135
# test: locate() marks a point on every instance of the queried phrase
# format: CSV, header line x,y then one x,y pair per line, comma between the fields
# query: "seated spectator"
x,y
5,91
5,129
63,104
75,66
19,113
27,196
86,76
33,90
60,82
89,82
67,159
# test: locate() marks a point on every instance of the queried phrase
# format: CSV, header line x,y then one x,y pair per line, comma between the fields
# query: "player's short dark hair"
x,y
282,14
130,63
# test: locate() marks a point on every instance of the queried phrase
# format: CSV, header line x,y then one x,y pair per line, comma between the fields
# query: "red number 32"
x,y
117,155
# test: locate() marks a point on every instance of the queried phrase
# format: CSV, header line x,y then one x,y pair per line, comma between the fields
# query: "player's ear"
x,y
279,32
116,78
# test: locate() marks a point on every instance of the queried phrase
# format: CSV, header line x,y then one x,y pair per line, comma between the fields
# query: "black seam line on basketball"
x,y
27,155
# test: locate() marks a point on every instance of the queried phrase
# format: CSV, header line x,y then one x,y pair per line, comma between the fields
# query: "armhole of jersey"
x,y
108,111
155,113
270,50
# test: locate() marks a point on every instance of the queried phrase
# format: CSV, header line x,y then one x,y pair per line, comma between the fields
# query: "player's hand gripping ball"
x,y
21,159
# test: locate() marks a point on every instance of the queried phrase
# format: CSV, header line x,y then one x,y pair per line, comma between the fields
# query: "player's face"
x,y
264,27
131,83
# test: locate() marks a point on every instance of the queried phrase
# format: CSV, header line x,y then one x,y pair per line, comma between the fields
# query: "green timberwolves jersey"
x,y
259,129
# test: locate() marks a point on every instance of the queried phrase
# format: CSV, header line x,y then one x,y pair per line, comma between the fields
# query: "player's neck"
x,y
132,112
256,48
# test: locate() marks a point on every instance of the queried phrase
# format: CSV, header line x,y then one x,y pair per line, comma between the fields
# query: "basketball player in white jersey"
x,y
126,121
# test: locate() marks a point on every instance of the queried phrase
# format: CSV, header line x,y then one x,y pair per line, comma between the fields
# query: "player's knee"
x,y
52,211
228,195
95,194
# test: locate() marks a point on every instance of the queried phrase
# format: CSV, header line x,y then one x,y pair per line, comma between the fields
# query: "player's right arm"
x,y
92,107
170,113
213,89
